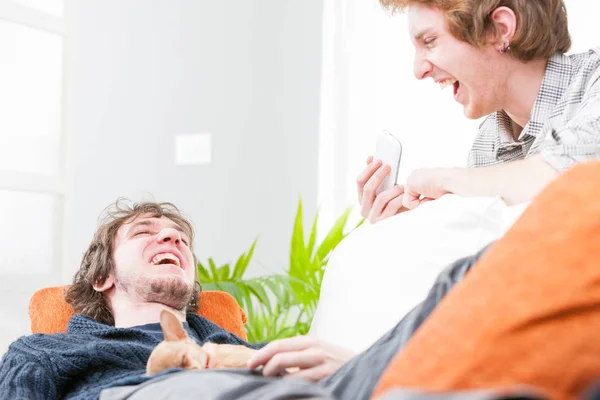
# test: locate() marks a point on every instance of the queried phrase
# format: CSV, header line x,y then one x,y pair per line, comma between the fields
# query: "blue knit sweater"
x,y
90,357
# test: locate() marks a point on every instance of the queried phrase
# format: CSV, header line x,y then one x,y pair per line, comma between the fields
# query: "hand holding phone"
x,y
389,151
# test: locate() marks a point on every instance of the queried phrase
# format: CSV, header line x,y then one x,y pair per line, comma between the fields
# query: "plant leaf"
x,y
257,289
203,274
335,235
213,270
243,261
224,273
313,235
231,288
298,252
209,286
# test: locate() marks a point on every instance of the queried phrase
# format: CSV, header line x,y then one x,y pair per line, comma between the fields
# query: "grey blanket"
x,y
218,385
245,385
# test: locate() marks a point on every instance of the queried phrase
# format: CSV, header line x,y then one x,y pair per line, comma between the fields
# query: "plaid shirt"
x,y
564,124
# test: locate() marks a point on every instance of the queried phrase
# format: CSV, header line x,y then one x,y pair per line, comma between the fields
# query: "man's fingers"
x,y
297,343
393,207
313,374
301,359
364,177
319,359
369,160
370,189
411,199
382,201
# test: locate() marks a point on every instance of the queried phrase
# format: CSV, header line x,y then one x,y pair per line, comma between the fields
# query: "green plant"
x,y
279,305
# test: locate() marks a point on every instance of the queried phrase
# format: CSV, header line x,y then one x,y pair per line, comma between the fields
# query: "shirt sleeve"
x,y
578,140
23,377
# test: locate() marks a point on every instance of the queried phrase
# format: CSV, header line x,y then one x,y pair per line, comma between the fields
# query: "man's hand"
x,y
386,204
424,185
313,358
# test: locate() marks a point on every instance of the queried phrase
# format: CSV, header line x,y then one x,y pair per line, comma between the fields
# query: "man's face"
x,y
153,262
475,76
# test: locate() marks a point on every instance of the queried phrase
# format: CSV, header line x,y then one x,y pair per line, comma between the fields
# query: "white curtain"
x,y
368,85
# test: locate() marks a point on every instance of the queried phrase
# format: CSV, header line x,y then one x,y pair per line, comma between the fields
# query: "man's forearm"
x,y
515,182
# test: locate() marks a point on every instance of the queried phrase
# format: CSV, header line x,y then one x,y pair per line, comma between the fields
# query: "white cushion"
x,y
380,272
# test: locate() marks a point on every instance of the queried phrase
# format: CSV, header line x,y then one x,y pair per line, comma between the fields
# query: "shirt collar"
x,y
557,78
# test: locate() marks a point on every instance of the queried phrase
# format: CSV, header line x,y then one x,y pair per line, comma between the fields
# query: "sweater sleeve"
x,y
23,377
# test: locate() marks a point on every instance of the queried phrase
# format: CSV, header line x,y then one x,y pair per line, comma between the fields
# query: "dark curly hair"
x,y
97,263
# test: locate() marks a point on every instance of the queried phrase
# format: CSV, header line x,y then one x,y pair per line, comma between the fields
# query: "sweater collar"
x,y
85,325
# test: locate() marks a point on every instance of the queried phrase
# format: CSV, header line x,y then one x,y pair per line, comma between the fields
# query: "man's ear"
x,y
108,283
506,21
172,328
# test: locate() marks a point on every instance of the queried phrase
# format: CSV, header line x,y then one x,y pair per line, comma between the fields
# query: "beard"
x,y
171,291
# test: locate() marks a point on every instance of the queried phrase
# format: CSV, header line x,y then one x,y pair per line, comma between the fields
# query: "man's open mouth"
x,y
451,81
166,259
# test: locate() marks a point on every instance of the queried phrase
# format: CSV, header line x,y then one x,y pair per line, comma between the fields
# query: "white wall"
x,y
31,63
247,71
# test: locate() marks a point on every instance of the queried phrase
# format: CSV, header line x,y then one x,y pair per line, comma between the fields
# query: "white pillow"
x,y
380,272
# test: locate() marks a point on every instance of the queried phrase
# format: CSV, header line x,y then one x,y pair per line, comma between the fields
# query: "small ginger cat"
x,y
178,350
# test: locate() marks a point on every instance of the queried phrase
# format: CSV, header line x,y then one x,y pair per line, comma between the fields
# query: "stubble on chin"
x,y
171,291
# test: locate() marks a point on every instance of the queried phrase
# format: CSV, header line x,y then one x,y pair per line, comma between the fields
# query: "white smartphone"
x,y
389,151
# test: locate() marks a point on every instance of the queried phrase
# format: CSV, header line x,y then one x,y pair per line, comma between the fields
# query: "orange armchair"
x,y
49,312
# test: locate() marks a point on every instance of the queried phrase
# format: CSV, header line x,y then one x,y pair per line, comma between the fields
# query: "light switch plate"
x,y
193,149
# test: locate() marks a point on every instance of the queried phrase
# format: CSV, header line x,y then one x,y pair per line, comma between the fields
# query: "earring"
x,y
504,47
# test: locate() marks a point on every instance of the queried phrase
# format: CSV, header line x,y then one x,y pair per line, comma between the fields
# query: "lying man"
x,y
139,263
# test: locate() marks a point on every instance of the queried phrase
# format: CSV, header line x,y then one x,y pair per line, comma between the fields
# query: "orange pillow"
x,y
50,313
528,313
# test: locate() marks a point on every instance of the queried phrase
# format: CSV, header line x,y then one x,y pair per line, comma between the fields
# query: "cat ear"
x,y
172,328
